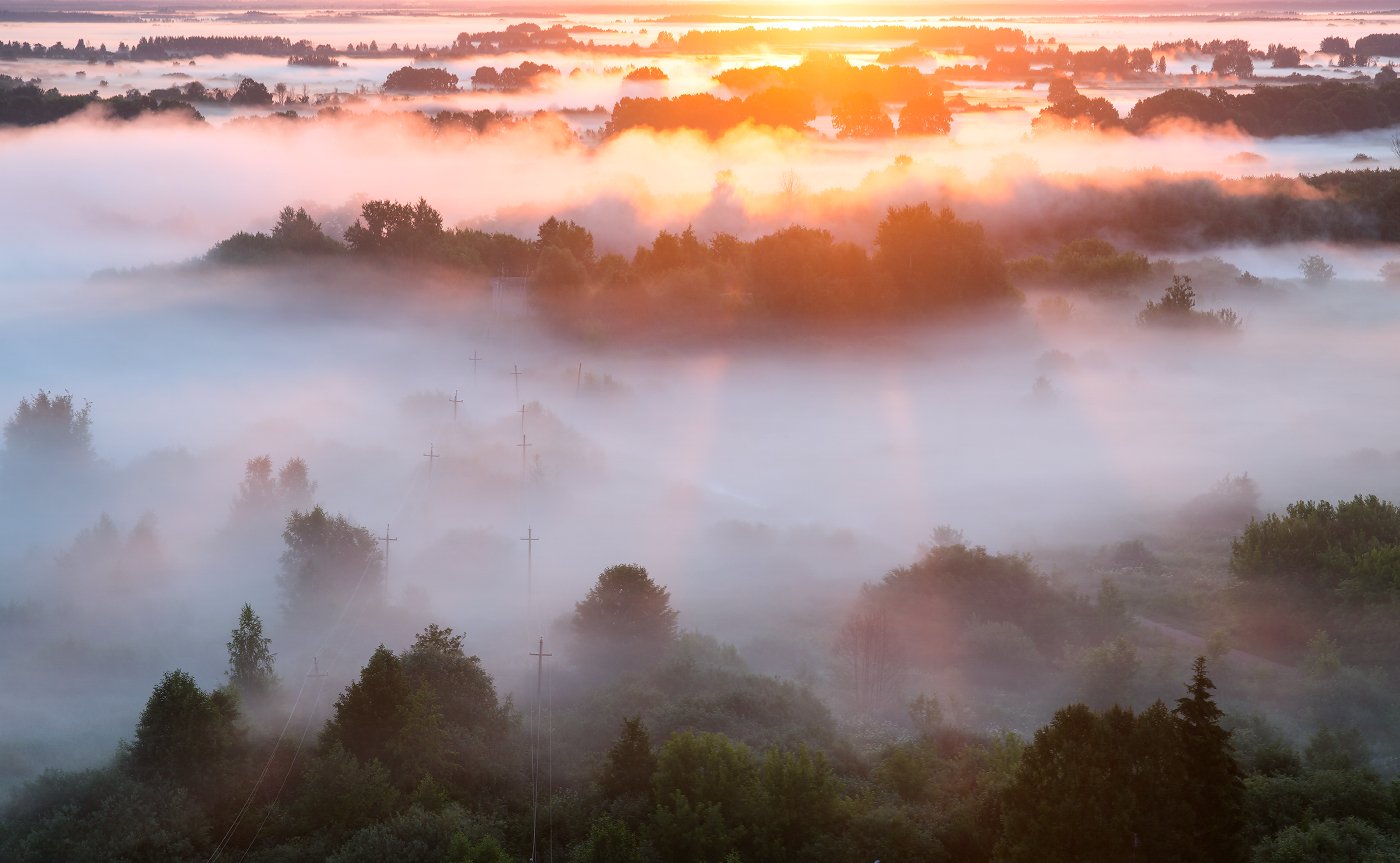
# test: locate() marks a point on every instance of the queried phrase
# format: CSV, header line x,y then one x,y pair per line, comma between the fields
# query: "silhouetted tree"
x,y
1214,783
251,92
861,115
926,115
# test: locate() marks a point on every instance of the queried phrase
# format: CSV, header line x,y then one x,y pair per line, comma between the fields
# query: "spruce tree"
x,y
1214,782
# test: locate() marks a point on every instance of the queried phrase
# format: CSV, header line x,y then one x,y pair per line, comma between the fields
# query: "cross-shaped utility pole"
x,y
431,455
522,419
530,539
524,462
516,373
316,668
475,359
386,539
455,401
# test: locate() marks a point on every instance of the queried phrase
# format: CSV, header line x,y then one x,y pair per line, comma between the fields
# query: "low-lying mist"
x,y
81,215
763,480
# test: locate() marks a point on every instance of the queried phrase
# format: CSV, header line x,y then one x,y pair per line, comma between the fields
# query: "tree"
x,y
797,806
1235,62
1214,783
49,429
934,260
327,562
251,92
1071,799
389,228
861,115
630,763
608,841
410,79
926,115
872,658
703,785
569,236
258,490
1177,308
294,484
250,663
298,233
1316,270
371,711
184,733
626,620
465,693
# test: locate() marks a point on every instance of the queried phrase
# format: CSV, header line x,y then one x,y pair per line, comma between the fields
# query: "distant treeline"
x,y
975,41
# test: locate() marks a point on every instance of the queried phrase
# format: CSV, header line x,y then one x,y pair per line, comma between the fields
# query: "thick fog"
x,y
762,480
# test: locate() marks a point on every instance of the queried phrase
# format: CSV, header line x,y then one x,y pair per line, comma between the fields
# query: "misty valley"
x,y
700,434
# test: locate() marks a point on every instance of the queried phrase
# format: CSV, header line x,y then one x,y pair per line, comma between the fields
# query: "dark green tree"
x,y
1214,782
371,711
250,663
185,735
1071,800
630,764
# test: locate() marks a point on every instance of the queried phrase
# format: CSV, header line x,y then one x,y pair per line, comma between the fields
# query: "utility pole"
x,y
316,668
475,359
524,464
455,401
431,455
386,539
522,419
530,539
516,373
578,384
535,753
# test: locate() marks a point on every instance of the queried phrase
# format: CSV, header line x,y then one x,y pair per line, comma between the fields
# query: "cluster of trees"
x,y
526,76
28,105
421,760
1267,111
1089,263
828,78
1159,785
413,79
1320,568
1348,552
1070,111
1177,310
516,38
925,261
646,73
775,108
